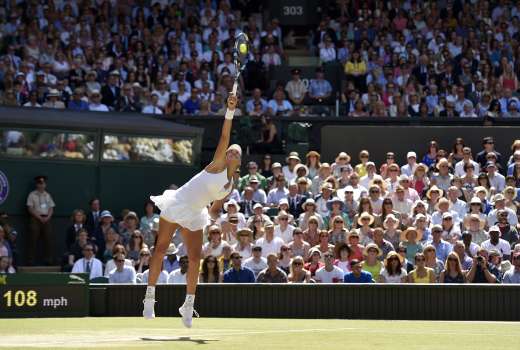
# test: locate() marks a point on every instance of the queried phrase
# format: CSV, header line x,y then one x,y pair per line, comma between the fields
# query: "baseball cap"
x,y
411,154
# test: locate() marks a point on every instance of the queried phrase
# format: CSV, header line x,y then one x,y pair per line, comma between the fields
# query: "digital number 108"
x,y
21,298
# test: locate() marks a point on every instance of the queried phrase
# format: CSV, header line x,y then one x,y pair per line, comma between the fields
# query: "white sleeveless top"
x,y
204,188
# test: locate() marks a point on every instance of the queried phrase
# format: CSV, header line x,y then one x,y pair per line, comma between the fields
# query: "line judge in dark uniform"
x,y
41,207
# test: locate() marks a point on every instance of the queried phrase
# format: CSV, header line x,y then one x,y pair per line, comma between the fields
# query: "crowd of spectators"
x,y
432,218
415,59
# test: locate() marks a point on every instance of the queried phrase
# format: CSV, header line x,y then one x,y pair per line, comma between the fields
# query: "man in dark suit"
x,y
323,31
93,216
489,146
421,71
111,92
295,200
247,203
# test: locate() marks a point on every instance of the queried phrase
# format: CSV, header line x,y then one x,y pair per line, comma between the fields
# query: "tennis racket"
x,y
240,56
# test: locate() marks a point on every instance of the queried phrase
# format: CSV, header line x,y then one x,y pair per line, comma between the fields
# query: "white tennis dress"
x,y
187,206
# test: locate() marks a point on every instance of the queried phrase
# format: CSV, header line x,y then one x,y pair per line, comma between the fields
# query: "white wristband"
x,y
229,114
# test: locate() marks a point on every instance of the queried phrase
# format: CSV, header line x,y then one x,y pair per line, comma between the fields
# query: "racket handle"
x,y
235,87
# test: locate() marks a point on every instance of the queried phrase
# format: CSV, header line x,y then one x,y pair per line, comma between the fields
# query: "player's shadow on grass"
x,y
181,339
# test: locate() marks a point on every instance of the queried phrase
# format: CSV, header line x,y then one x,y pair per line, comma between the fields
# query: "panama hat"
x,y
497,197
481,189
231,202
404,234
434,188
365,215
469,218
293,155
172,249
309,201
372,246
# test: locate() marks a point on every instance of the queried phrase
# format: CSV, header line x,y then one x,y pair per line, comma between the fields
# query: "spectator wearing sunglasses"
x,y
238,273
122,273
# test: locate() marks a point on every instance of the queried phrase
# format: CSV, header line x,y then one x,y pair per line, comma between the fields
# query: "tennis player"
x,y
186,209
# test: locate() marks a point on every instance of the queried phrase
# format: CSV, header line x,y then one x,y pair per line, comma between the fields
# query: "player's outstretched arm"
x,y
223,144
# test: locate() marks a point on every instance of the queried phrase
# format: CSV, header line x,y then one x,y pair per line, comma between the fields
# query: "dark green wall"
x,y
363,301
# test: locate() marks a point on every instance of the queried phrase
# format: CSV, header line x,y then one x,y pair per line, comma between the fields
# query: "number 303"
x,y
293,10
21,298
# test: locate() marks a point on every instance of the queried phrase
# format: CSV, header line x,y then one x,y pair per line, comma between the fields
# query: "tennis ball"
x,y
242,48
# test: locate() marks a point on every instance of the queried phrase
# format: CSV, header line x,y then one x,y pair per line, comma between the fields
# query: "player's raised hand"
x,y
232,102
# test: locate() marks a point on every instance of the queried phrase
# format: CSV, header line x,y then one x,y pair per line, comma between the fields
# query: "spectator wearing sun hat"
x,y
499,202
231,207
442,178
309,209
443,206
259,195
394,270
409,168
442,248
336,208
474,226
288,170
410,239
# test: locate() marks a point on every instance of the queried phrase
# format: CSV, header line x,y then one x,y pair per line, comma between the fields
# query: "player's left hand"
x,y
232,102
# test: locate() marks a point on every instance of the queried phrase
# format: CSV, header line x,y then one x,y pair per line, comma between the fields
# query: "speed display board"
x,y
56,297
295,12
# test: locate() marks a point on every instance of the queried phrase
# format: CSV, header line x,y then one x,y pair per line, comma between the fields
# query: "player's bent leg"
x,y
164,237
193,242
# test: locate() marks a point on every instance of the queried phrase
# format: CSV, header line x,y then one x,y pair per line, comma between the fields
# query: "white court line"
x,y
87,340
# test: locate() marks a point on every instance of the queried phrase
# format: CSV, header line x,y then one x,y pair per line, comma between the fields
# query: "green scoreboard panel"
x,y
44,295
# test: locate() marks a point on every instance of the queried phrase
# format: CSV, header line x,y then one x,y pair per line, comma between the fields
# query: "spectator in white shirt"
x,y
269,243
329,273
271,57
277,193
95,102
459,166
153,107
163,277
499,201
371,172
409,168
283,229
496,243
122,273
88,264
496,180
401,204
256,262
327,51
458,206
178,276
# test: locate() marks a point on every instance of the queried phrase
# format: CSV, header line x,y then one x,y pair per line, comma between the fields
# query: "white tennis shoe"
x,y
187,312
148,311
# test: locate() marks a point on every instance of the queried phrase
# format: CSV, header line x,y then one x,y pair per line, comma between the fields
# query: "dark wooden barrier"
x,y
385,301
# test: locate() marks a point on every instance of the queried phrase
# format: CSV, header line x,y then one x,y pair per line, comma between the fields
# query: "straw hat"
x,y
434,188
421,166
442,201
245,231
343,155
313,154
372,246
365,215
481,189
394,254
293,155
469,218
172,249
404,234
